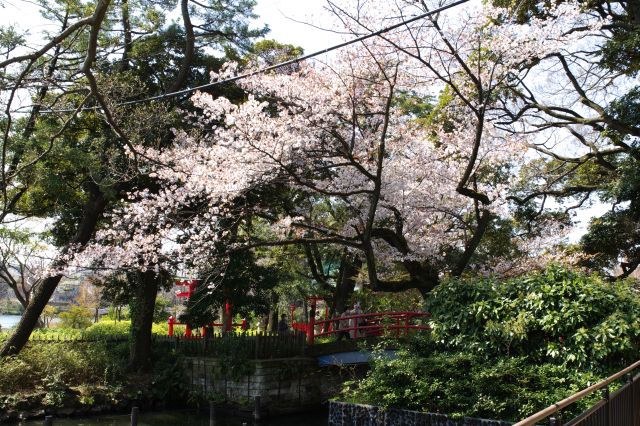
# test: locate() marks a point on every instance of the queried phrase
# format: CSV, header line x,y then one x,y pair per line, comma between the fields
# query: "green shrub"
x,y
506,349
557,316
108,328
72,363
465,384
76,317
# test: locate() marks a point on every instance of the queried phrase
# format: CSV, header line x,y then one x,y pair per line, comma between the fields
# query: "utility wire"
x,y
275,66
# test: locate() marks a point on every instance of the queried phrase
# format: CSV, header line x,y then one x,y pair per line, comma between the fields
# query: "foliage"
x,y
76,317
10,307
103,328
86,373
161,309
240,280
370,301
463,383
505,349
69,363
556,315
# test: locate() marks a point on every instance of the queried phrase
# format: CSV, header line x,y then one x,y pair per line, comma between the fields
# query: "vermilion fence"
x,y
364,325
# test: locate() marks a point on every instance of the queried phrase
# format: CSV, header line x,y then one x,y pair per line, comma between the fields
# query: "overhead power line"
x,y
278,65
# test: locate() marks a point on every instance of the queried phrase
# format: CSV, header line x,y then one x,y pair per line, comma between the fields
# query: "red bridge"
x,y
363,325
349,326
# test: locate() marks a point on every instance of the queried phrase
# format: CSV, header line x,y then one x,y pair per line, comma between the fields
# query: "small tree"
x,y
48,314
21,263
77,317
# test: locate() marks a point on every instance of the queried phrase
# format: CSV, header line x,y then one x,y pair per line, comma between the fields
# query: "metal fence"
x,y
618,408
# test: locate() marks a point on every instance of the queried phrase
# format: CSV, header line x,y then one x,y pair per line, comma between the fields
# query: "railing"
x,y
82,338
188,331
255,346
620,408
364,325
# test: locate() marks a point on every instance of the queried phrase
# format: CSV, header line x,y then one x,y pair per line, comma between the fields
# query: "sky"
x,y
280,15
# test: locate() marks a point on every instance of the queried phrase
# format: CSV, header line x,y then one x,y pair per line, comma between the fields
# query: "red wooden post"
x,y
187,331
204,332
355,332
227,319
244,324
312,323
172,321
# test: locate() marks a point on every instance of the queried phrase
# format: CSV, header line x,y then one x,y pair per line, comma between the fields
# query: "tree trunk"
x,y
347,283
273,314
30,317
142,320
92,212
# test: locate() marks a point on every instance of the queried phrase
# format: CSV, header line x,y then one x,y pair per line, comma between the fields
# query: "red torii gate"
x,y
226,325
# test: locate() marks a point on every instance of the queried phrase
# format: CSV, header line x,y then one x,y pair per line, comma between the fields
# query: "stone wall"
x,y
345,414
284,385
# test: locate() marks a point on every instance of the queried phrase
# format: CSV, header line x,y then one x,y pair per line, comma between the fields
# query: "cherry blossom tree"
x,y
411,192
411,195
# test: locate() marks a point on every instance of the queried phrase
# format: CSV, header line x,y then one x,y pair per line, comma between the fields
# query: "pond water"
x,y
8,321
190,418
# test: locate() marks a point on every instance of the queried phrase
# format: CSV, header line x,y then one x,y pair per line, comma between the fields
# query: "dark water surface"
x,y
189,418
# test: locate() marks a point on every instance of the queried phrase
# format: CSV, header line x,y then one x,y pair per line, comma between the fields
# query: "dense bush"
x,y
104,327
557,315
506,349
465,384
77,317
71,363
76,373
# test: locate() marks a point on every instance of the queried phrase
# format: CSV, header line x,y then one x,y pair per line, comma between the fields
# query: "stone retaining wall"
x,y
284,385
345,414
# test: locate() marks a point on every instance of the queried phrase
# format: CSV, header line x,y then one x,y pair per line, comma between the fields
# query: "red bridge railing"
x,y
363,325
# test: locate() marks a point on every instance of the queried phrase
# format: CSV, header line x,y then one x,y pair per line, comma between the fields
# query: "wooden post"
x,y
48,421
227,313
172,321
134,416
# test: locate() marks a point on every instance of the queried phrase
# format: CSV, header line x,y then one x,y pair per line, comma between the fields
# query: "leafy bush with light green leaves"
x,y
103,328
77,317
72,373
556,315
466,384
506,349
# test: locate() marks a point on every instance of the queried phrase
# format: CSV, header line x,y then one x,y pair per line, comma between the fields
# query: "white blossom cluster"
x,y
336,131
